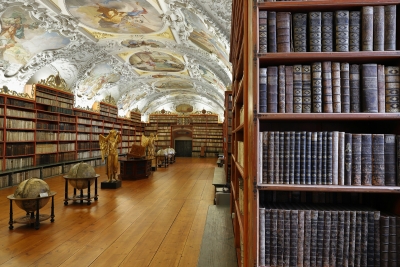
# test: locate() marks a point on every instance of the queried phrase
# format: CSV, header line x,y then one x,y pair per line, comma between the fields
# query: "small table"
x,y
134,169
32,218
81,197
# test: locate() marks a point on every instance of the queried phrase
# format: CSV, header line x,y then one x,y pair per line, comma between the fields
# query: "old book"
x,y
324,158
346,238
341,157
342,30
272,46
352,237
300,239
314,157
286,168
263,31
390,27
378,159
320,237
294,224
367,28
316,87
308,158
272,89
306,89
299,32
271,158
398,238
366,159
354,30
335,157
327,31
307,238
345,86
283,22
377,239
327,87
314,238
264,178
276,157
261,236
336,91
392,88
314,26
327,238
267,239
390,159
392,241
381,88
281,156
371,239
356,159
348,158
369,82
319,158
297,89
398,160
281,89
297,158
355,88
364,237
384,238
286,237
378,28
329,158
357,252
333,237
289,89
274,237
340,238
263,90
292,157
303,146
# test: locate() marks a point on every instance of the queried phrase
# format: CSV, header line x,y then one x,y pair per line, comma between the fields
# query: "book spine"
x,y
354,88
314,238
384,238
342,30
327,31
267,237
263,90
397,239
329,163
306,89
280,237
308,158
297,158
392,241
324,157
381,88
314,157
366,159
378,159
335,158
392,88
274,237
303,146
345,86
286,170
265,157
289,89
397,160
377,239
327,238
320,237
371,240
281,156
340,238
319,158
300,240
364,237
390,28
297,89
346,238
272,89
341,159
356,160
286,238
354,30
276,157
357,251
369,83
271,31
294,224
390,159
327,87
271,158
263,31
348,158
352,237
333,238
283,31
300,32
281,89
307,238
336,91
316,87
292,157
262,236
314,21
378,28
367,21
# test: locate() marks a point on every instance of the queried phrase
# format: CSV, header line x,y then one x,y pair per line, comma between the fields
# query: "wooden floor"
x,y
157,221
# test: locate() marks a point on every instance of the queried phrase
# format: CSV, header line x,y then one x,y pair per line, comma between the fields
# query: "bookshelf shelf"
x,y
330,188
328,116
300,6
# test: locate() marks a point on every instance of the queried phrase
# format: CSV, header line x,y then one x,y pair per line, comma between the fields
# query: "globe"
x,y
81,175
28,191
162,152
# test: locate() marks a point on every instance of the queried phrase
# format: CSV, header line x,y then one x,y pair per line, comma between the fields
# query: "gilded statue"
x,y
109,147
149,142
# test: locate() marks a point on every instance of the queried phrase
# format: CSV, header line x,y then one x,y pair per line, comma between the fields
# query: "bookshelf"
x,y
207,133
254,195
160,125
228,135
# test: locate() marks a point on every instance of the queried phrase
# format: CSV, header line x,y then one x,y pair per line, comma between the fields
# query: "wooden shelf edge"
x,y
328,116
322,4
330,188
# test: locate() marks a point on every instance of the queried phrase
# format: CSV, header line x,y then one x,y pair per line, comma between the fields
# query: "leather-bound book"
x,y
283,21
262,90
294,224
329,156
299,32
392,88
314,157
378,159
281,89
272,89
354,30
327,31
336,92
345,86
303,147
341,157
320,237
384,238
352,237
377,239
369,83
340,238
265,158
271,158
327,238
272,46
316,87
319,158
367,28
314,26
261,236
300,240
390,159
314,238
335,157
306,89
286,168
292,157
392,241
267,245
281,156
286,237
348,158
398,238
357,253
289,89
381,88
379,28
346,238
276,157
297,158
356,159
308,158
297,89
342,30
371,240
366,159
307,238
355,88
327,103
263,31
333,237
398,160
364,237
390,28
274,238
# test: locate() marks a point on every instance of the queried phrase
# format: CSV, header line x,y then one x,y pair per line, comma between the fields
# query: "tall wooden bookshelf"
x,y
249,191
228,135
160,125
207,134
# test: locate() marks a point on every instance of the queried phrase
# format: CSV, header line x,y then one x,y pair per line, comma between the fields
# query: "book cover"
x,y
366,159
307,239
378,28
297,158
352,237
265,157
392,88
276,157
320,237
292,157
384,238
327,31
327,87
308,158
314,157
281,89
327,238
314,238
378,159
299,32
345,87
356,159
281,156
261,236
263,31
371,239
354,88
289,89
329,156
342,30
294,224
377,239
390,159
272,89
348,158
364,237
303,146
346,238
274,237
357,251
297,89
390,27
283,29
316,87
335,157
369,82
286,237
271,158
392,241
336,88
333,237
306,89
354,30
367,28
286,168
314,22
381,88
340,238
262,90
341,157
319,158
267,239
272,46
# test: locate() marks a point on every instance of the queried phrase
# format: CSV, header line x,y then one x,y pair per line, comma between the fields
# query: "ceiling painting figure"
x,y
118,16
156,61
139,43
173,84
211,78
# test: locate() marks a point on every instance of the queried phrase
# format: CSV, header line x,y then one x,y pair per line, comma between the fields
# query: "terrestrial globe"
x,y
81,175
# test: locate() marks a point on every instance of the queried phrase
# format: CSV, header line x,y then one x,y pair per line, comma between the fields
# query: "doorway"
x,y
183,148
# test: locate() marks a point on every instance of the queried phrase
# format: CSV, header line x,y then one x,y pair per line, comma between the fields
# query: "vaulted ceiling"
x,y
147,54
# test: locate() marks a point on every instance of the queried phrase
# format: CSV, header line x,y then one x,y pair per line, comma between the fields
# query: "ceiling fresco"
x,y
148,55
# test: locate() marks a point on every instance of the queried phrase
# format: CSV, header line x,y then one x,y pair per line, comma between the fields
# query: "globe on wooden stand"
x,y
31,195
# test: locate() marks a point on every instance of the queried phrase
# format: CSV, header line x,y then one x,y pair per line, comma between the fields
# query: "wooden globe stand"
x,y
31,218
81,197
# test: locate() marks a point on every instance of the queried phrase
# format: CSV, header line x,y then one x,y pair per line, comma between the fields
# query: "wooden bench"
x,y
217,246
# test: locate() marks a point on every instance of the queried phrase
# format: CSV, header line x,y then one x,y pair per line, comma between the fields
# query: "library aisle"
x,y
157,221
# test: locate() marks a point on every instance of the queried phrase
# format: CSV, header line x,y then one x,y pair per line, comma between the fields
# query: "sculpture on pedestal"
x,y
149,142
109,148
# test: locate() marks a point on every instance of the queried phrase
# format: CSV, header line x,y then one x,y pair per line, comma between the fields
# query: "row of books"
x,y
20,124
329,158
20,103
4,181
46,116
46,126
18,177
19,149
52,171
46,136
66,156
329,87
46,159
17,163
20,136
46,148
373,28
20,113
66,147
314,235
